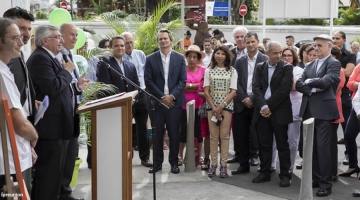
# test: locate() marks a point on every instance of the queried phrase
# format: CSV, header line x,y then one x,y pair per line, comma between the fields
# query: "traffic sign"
x,y
243,10
63,4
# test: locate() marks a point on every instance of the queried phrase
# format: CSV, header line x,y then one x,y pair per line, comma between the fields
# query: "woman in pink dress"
x,y
194,73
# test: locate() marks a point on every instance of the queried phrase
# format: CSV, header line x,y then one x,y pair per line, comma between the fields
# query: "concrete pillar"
x,y
306,191
190,165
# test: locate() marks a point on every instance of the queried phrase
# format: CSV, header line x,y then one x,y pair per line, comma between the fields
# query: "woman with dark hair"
x,y
336,53
220,85
104,44
303,55
311,55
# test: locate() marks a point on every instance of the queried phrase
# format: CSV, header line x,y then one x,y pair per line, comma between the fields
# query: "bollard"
x,y
190,153
306,191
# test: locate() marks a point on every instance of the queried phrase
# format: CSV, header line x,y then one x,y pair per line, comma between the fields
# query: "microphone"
x,y
65,57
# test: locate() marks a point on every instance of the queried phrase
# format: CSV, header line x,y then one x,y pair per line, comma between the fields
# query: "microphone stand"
x,y
153,100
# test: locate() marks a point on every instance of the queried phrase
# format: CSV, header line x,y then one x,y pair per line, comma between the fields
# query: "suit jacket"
x,y
280,85
60,120
233,51
155,79
22,78
109,76
322,104
241,66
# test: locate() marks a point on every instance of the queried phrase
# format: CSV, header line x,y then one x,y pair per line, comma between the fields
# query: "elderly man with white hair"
x,y
355,49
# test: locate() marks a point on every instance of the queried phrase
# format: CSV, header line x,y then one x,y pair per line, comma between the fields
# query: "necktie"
x,y
76,73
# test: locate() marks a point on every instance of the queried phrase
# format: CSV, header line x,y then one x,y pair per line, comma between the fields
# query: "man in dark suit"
x,y
244,133
165,78
69,34
116,62
318,84
60,122
239,51
272,84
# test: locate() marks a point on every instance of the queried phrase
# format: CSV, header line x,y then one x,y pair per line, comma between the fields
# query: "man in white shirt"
x,y
208,52
140,111
165,78
355,50
290,42
10,46
240,50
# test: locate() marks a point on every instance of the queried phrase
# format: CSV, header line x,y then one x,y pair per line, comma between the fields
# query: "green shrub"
x,y
41,15
217,20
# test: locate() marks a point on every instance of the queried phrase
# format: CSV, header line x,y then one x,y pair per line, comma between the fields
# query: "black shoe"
x,y
285,182
254,161
261,178
69,197
241,170
315,184
299,166
155,168
175,169
356,194
323,192
136,148
354,171
233,160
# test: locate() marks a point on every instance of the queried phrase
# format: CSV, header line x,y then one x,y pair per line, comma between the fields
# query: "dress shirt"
x,y
12,93
267,95
251,68
239,54
207,59
120,63
138,58
166,64
357,58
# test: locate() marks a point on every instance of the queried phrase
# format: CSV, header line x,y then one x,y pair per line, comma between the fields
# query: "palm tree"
x,y
144,29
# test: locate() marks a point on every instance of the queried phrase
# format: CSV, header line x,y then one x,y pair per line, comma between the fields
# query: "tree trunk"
x,y
236,5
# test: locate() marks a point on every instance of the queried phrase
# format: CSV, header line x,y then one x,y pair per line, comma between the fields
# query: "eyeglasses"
x,y
287,55
58,37
16,38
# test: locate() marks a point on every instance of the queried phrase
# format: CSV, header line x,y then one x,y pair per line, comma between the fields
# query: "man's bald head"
x,y
69,33
129,44
355,47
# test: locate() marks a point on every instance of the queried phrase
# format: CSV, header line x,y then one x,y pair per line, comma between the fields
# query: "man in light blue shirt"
x,y
140,111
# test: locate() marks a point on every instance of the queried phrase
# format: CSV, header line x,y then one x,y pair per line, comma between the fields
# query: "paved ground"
x,y
188,186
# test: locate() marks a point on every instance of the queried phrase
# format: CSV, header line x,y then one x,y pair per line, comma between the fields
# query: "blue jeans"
x,y
350,134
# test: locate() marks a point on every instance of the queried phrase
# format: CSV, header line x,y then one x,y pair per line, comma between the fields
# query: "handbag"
x,y
202,111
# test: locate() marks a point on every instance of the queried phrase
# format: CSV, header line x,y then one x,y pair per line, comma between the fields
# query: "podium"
x,y
111,146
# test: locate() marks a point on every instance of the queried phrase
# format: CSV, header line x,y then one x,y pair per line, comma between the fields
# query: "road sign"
x,y
243,10
63,4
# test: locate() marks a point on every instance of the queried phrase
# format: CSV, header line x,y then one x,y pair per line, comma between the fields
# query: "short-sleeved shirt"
x,y
13,95
220,81
346,57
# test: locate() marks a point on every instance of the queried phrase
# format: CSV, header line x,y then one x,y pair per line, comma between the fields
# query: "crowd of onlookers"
x,y
260,93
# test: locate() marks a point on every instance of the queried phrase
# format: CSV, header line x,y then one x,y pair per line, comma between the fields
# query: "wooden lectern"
x,y
111,145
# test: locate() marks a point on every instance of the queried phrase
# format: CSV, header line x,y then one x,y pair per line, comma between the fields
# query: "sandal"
x,y
180,161
206,164
212,171
223,172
